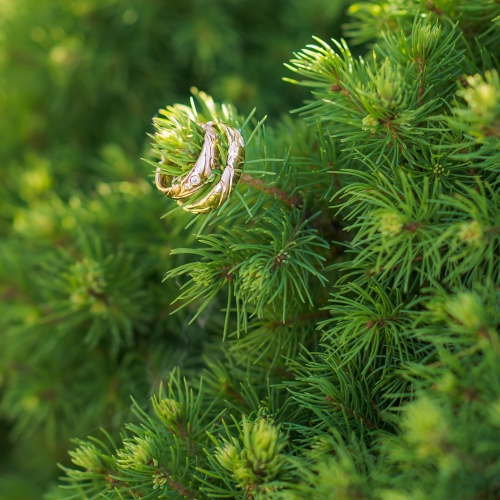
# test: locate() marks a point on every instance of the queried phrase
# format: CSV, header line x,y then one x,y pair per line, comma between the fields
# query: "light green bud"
x,y
447,384
244,475
89,284
438,170
370,123
425,426
142,451
87,457
78,299
135,452
262,446
98,308
228,456
471,233
481,96
467,309
159,480
391,224
168,410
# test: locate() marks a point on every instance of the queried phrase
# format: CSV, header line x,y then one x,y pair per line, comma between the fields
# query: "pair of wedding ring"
x,y
182,188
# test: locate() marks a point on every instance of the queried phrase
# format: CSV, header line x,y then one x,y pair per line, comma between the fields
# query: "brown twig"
x,y
291,201
179,487
373,271
351,412
420,79
304,317
230,391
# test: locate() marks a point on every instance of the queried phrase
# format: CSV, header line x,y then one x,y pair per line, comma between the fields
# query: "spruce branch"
x,y
290,201
367,368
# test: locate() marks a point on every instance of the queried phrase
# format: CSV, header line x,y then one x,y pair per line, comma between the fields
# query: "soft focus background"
x,y
79,83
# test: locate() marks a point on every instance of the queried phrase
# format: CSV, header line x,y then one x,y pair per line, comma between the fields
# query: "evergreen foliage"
x,y
335,325
84,316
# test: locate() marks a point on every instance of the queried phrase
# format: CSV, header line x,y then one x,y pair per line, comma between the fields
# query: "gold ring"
x,y
184,187
230,175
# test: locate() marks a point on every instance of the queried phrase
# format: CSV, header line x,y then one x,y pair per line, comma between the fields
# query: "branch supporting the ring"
x,y
291,201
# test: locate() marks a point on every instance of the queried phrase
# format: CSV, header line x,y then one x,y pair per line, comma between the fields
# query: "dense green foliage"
x,y
331,332
84,316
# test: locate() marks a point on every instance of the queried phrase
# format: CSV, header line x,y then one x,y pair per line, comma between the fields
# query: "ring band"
x,y
186,186
183,187
230,175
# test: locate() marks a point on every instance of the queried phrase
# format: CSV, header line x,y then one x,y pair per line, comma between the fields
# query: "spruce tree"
x,y
334,326
84,317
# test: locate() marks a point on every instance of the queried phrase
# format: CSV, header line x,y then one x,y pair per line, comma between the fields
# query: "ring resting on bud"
x,y
183,187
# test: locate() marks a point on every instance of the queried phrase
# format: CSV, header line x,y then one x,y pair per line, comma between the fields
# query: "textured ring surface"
x,y
230,175
180,188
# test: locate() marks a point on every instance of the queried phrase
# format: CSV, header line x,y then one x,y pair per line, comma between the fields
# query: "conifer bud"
x,y
89,284
136,451
261,443
259,459
88,457
447,383
168,410
390,87
467,309
178,139
481,96
142,451
438,170
262,446
471,233
370,123
159,480
228,456
391,224
426,427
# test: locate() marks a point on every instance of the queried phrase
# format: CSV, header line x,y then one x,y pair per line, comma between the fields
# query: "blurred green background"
x,y
79,83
